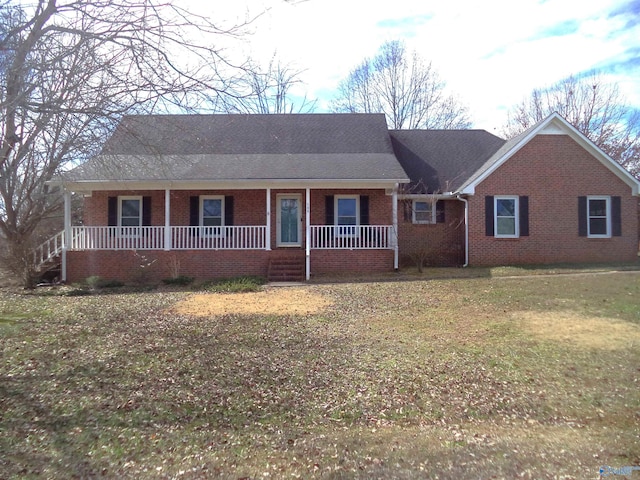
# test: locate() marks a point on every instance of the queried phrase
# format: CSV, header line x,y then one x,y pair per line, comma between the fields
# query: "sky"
x,y
491,54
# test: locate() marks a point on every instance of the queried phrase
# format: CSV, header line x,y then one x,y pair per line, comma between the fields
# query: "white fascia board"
x,y
231,185
430,196
471,188
554,124
603,158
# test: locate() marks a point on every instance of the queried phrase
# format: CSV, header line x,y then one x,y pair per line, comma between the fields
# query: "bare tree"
x,y
69,69
596,108
268,90
403,87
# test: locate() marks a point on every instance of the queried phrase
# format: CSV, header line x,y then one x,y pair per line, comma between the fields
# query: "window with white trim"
x,y
130,211
347,215
506,215
212,214
599,216
423,212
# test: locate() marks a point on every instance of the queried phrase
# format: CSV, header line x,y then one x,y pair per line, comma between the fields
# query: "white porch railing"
x,y
362,237
182,238
117,238
250,237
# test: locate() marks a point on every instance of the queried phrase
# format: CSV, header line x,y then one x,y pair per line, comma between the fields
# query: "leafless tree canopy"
x,y
403,87
69,69
265,90
594,107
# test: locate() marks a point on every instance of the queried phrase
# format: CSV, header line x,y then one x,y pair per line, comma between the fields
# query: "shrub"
x,y
97,282
179,280
235,285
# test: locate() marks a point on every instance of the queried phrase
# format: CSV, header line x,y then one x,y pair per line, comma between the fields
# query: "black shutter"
x,y
194,211
329,218
524,216
146,211
582,216
364,209
407,205
488,216
228,211
112,211
616,217
440,211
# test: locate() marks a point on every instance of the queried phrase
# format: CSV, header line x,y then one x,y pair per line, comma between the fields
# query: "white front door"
x,y
289,220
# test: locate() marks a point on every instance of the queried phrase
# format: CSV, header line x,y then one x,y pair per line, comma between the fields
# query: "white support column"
x,y
167,220
307,221
67,241
395,227
268,233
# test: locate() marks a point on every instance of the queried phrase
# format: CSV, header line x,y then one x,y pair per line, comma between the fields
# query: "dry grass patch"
x,y
271,301
580,331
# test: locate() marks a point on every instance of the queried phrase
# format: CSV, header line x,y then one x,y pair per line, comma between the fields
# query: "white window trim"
x,y
123,230
516,199
356,228
209,231
608,214
414,210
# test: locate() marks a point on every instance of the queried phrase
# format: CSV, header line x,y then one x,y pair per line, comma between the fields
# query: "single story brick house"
x,y
291,196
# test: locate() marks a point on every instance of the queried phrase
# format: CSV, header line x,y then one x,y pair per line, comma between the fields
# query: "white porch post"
x,y
167,220
307,221
67,241
268,233
395,227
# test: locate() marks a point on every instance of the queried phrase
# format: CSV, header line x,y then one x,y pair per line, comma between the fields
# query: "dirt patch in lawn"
x,y
271,301
580,330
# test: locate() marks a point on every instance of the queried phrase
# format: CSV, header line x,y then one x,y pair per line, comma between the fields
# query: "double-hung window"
x,y
347,215
423,212
129,215
212,215
506,219
599,217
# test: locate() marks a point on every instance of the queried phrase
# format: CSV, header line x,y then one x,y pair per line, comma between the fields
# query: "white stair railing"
x,y
49,249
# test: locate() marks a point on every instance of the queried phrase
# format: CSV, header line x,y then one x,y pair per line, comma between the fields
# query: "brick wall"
x,y
444,241
249,209
351,261
553,171
151,266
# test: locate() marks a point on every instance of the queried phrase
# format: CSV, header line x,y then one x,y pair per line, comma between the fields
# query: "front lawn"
x,y
532,377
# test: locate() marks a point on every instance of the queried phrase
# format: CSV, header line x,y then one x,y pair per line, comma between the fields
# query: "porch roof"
x,y
243,148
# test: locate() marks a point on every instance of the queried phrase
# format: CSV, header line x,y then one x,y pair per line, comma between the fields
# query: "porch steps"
x,y
286,269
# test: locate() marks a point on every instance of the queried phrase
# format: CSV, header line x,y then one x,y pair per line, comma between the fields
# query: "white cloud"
x,y
491,53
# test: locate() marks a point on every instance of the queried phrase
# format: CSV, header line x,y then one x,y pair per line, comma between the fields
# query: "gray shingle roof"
x,y
236,147
439,161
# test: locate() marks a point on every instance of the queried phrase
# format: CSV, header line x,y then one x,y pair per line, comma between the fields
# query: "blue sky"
x,y
490,53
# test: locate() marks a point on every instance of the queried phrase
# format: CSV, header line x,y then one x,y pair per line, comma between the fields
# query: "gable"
x,y
552,125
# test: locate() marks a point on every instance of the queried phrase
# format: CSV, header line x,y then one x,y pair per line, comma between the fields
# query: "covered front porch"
x,y
223,228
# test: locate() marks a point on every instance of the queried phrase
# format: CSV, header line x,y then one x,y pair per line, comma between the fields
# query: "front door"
x,y
289,220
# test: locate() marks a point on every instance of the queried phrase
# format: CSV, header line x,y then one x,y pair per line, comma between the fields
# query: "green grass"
x,y
450,378
234,285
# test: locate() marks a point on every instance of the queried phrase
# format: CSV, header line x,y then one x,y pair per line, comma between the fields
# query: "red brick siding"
x,y
380,207
444,241
553,171
154,265
249,209
351,261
